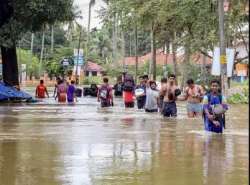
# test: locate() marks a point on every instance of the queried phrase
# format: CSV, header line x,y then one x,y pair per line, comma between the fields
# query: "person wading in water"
x,y
41,90
214,108
193,95
170,91
105,95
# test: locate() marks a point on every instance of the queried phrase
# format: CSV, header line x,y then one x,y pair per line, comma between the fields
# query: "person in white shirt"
x,y
152,97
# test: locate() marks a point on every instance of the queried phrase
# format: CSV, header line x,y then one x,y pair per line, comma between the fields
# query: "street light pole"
x,y
223,58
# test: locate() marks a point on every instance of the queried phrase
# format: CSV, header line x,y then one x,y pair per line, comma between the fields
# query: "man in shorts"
x,y
170,96
193,95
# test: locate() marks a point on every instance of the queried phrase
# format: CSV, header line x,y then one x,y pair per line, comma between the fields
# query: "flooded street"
x,y
59,144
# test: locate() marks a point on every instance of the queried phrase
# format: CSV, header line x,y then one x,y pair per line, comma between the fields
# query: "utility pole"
x,y
223,58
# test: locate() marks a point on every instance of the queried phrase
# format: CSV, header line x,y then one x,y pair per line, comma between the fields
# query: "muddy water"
x,y
52,144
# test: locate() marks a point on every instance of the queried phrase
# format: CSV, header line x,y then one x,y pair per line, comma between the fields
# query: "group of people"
x,y
153,98
211,105
63,92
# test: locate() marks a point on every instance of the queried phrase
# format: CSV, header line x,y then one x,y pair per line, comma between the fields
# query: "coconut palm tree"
x,y
91,4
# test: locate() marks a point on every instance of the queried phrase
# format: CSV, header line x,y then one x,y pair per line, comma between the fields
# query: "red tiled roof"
x,y
161,59
93,67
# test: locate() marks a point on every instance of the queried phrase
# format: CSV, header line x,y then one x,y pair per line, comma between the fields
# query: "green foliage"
x,y
100,46
113,70
53,65
59,40
241,97
33,15
189,23
32,65
238,98
92,80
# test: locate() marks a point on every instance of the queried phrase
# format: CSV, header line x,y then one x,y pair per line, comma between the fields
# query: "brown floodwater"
x,y
59,144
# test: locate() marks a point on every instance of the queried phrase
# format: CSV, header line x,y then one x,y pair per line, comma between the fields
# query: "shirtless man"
x,y
168,90
193,95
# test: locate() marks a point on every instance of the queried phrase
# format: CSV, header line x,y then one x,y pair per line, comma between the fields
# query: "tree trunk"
x,y
185,65
136,53
89,18
203,69
152,66
19,62
41,54
31,49
174,58
52,39
88,34
114,39
222,48
166,58
130,45
10,66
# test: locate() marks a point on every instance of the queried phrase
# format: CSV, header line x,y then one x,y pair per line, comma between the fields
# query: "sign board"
x,y
216,62
230,61
80,52
80,60
216,66
65,62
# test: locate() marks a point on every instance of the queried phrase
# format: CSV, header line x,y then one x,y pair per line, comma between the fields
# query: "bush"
x,y
238,98
92,80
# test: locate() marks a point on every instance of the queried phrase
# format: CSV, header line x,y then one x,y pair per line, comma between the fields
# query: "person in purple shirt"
x,y
71,92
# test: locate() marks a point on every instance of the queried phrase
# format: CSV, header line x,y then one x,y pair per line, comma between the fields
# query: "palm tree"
x,y
91,4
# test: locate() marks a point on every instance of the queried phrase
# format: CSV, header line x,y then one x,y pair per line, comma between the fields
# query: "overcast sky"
x,y
83,6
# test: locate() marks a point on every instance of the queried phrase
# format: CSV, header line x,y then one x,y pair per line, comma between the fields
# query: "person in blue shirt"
x,y
71,92
214,108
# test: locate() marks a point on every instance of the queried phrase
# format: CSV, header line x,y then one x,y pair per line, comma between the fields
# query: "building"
x,y
92,69
163,59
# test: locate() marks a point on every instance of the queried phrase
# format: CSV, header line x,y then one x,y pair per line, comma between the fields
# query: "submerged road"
x,y
59,144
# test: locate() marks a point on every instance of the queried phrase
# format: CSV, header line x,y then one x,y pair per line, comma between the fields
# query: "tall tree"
x,y
20,16
91,4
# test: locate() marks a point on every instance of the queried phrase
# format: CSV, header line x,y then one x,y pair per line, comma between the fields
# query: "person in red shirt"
x,y
128,99
41,90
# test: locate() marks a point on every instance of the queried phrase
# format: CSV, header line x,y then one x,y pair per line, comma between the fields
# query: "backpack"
x,y
104,93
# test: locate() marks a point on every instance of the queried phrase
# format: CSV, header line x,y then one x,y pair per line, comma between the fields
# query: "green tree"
x,y
21,16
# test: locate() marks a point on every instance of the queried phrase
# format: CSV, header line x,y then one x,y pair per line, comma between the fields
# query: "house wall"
x,y
241,70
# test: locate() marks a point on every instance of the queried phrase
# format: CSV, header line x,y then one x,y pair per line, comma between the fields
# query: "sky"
x,y
83,7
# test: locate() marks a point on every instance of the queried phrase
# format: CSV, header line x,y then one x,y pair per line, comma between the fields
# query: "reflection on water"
x,y
50,144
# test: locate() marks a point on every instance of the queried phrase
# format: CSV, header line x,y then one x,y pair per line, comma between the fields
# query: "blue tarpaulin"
x,y
11,93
